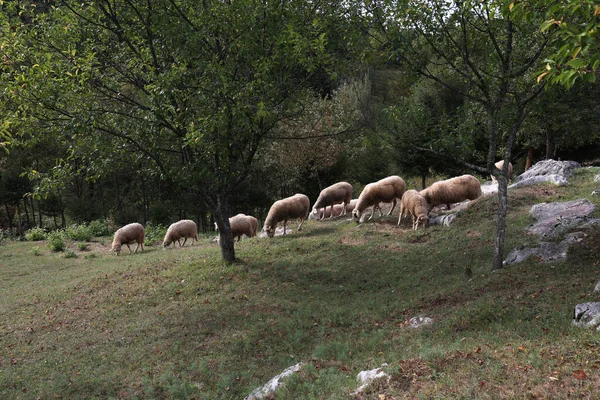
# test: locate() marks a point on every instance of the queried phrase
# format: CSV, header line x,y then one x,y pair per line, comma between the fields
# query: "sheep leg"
x,y
372,212
322,214
393,206
300,226
136,248
128,247
284,226
184,241
401,211
330,212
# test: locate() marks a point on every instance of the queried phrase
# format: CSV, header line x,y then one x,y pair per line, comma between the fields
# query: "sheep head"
x,y
270,230
356,215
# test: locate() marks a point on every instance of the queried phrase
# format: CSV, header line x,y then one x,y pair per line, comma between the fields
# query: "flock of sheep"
x,y
334,200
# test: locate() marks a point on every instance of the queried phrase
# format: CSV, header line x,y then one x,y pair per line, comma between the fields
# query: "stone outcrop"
x,y
587,315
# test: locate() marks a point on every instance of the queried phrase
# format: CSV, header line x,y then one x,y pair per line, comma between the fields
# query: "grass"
x,y
179,323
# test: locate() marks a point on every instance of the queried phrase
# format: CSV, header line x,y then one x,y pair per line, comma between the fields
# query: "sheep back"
x,y
296,206
242,224
500,165
184,229
340,192
129,233
453,190
385,190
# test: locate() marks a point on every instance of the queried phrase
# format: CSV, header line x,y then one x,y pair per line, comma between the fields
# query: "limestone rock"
x,y
555,179
364,378
443,220
545,251
278,232
587,315
418,322
597,178
268,388
549,167
597,288
553,219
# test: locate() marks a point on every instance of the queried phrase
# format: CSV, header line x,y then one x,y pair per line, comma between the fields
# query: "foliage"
x,y
98,228
82,246
576,56
35,250
68,253
56,241
154,233
35,234
80,232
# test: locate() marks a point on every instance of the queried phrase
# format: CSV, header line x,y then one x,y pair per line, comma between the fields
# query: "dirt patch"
x,y
473,234
352,241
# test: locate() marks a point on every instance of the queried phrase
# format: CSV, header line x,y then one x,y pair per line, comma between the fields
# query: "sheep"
x,y
240,225
453,190
414,204
186,228
385,190
128,234
337,193
293,207
499,165
337,210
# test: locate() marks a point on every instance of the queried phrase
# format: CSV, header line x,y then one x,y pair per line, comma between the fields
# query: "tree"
x,y
191,89
485,51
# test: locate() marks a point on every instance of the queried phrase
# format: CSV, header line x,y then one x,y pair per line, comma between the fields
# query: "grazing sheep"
x,y
184,229
337,193
293,207
414,204
385,190
240,225
500,165
453,190
129,234
337,210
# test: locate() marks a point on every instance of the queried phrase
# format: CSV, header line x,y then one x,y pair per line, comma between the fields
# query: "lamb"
x,y
414,204
499,165
293,207
242,224
186,228
337,210
337,193
453,190
128,234
385,190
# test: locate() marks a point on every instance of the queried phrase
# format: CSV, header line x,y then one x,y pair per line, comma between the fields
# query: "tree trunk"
x,y
549,144
500,223
8,218
27,220
40,214
226,238
145,200
529,161
19,222
32,211
423,178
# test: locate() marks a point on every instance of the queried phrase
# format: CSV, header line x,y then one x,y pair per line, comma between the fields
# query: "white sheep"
x,y
293,207
414,203
128,234
453,190
240,225
500,165
385,190
337,210
337,193
184,229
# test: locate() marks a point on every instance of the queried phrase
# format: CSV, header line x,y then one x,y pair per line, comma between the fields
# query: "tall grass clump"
x,y
154,233
56,241
81,232
35,234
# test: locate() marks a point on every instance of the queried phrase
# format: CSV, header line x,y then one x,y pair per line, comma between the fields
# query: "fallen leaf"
x,y
579,374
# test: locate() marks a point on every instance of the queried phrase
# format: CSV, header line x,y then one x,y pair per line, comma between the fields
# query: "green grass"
x,y
179,323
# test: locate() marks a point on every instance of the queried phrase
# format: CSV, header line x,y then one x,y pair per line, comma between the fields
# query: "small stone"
x,y
587,315
418,322
597,288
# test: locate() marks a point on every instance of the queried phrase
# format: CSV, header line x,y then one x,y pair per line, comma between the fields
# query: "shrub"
x,y
35,234
35,250
79,232
82,246
56,241
98,228
91,255
154,233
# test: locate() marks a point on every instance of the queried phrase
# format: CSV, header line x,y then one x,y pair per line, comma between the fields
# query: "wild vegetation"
x,y
181,323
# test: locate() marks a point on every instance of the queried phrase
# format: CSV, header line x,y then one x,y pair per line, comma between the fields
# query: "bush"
x,y
82,246
154,233
35,234
69,254
35,250
99,228
82,233
56,241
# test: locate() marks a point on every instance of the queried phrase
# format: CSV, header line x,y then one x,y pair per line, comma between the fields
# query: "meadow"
x,y
181,324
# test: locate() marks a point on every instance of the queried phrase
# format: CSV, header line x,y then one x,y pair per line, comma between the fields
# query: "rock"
x,y
597,288
418,322
278,232
270,387
553,219
596,192
587,315
545,251
555,179
443,220
489,187
364,378
549,167
597,178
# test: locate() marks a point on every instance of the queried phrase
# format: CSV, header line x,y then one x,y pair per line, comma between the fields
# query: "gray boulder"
x,y
549,167
443,220
554,219
597,178
597,288
555,179
418,322
587,315
545,251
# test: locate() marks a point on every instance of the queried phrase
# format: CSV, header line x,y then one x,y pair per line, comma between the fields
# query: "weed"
x,y
35,250
35,234
68,253
90,256
82,246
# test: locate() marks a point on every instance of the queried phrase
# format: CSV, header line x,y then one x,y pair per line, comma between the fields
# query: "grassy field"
x,y
181,324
